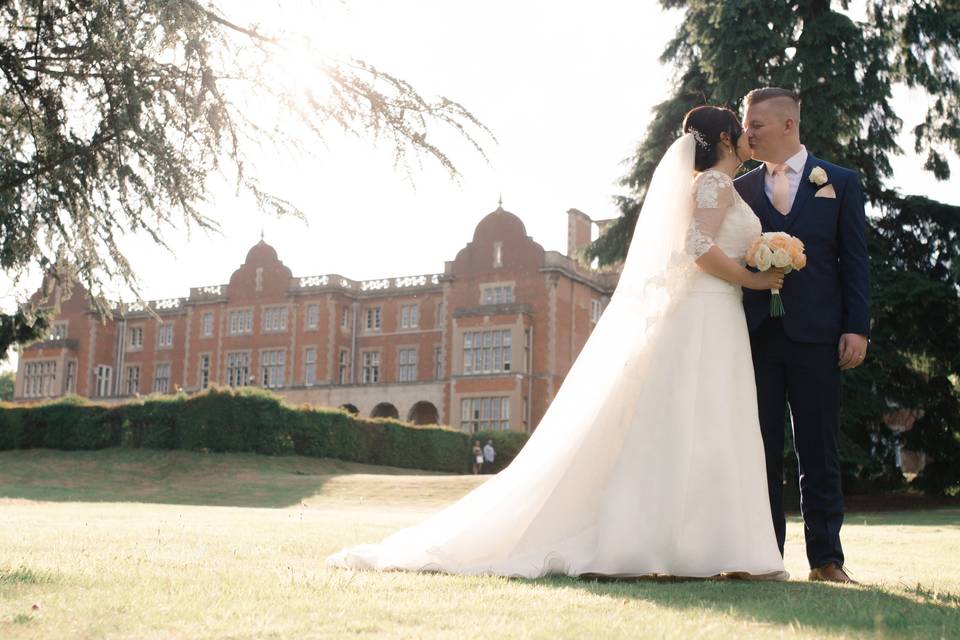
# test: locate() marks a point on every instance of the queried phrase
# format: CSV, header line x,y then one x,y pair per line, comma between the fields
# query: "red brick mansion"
x,y
483,345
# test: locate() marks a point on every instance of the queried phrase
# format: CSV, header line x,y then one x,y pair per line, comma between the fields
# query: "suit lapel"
x,y
804,190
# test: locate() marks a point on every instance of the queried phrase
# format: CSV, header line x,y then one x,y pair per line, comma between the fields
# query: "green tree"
x,y
114,113
6,385
844,71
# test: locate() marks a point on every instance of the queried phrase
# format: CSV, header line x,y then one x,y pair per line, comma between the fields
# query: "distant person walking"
x,y
489,455
477,457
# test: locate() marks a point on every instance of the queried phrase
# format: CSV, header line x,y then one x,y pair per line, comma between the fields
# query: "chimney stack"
x,y
579,226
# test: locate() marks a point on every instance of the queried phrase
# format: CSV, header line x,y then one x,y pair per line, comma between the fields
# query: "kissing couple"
x,y
662,453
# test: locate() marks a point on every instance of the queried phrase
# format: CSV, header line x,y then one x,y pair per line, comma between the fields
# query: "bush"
x,y
506,444
246,420
12,430
70,423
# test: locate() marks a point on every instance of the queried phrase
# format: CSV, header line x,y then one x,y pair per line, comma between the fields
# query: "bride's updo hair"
x,y
706,124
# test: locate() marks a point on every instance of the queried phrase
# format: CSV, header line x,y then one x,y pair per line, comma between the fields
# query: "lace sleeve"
x,y
713,197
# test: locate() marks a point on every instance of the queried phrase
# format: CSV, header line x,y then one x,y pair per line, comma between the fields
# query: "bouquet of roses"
x,y
780,250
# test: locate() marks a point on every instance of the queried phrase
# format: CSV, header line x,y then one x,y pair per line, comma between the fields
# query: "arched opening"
x,y
423,412
349,408
384,410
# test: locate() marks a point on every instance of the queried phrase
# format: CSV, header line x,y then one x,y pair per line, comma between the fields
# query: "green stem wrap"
x,y
776,304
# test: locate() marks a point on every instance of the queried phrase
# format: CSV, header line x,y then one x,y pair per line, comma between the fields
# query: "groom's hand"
x,y
852,350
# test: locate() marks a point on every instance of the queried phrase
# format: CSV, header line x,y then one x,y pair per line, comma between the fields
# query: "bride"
x,y
649,461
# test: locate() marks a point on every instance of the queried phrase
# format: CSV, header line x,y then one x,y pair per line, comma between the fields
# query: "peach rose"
x,y
779,241
751,256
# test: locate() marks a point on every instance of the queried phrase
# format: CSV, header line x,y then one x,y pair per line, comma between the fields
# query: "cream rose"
x,y
819,177
764,257
781,259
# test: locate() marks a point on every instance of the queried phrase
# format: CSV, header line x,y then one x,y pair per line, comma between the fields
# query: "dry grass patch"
x,y
235,549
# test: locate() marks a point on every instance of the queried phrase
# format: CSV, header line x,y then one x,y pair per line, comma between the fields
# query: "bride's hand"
x,y
767,280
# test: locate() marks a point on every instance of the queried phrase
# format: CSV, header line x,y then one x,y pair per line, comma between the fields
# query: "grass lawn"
x,y
147,544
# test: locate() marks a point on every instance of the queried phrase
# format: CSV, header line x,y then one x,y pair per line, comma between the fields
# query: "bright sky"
x,y
566,87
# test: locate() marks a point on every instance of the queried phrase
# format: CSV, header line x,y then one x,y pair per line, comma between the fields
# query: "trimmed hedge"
x,y
245,420
506,444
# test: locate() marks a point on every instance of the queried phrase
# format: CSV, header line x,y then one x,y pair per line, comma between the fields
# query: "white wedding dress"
x,y
649,461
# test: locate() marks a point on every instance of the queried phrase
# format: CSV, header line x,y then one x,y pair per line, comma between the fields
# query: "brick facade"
x,y
485,344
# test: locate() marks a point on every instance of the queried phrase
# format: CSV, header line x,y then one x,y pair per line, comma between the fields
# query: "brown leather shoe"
x,y
831,572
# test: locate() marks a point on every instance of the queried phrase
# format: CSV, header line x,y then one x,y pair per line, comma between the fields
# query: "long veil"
x,y
524,520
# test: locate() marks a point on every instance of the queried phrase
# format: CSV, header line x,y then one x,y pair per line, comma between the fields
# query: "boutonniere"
x,y
818,176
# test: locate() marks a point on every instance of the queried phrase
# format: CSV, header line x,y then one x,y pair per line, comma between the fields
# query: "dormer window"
x,y
58,331
499,294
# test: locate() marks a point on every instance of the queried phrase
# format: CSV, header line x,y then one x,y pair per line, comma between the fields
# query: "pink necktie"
x,y
781,189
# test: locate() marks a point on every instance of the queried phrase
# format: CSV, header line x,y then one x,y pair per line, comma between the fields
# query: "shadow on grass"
x,y
858,611
190,478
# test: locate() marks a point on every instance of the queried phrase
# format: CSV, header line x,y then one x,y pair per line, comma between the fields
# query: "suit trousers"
x,y
805,377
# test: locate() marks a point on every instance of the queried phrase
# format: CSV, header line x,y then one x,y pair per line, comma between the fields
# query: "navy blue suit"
x,y
795,357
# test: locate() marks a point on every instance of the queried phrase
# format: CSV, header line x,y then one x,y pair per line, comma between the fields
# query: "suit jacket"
x,y
831,295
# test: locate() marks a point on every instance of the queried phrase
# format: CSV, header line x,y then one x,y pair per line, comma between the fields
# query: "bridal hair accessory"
x,y
698,137
818,176
780,250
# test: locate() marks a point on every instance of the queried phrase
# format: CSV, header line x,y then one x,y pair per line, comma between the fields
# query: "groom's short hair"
x,y
774,93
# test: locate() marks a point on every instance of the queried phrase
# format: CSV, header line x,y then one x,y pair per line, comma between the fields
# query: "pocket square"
x,y
826,192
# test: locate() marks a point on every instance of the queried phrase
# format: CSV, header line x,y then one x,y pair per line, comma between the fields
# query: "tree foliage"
x,y
114,114
7,381
844,71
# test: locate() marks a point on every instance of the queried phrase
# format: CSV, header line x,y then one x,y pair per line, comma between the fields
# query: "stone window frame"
x,y
510,285
438,361
60,335
377,311
201,384
39,378
596,309
343,366
505,350
103,389
131,345
400,364
266,315
127,380
226,366
413,317
242,331
71,366
156,379
203,324
282,367
162,328
307,382
466,422
364,366
315,325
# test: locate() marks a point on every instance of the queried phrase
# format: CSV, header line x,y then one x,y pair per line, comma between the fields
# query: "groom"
x,y
798,358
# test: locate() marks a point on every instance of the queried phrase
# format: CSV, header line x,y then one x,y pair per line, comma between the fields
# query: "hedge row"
x,y
246,420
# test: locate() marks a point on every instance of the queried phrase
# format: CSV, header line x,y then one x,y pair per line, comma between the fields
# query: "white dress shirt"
x,y
795,164
489,455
